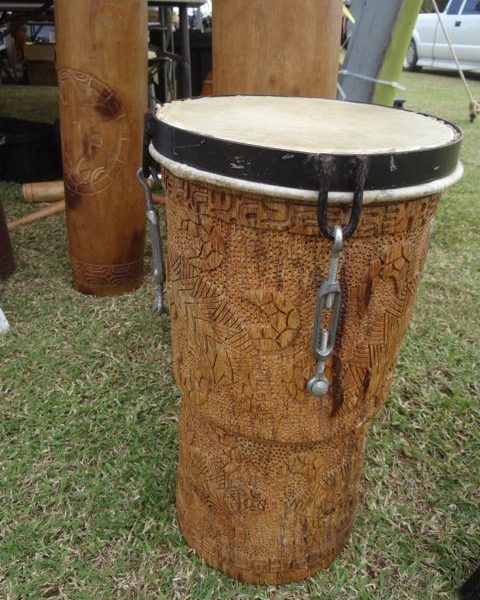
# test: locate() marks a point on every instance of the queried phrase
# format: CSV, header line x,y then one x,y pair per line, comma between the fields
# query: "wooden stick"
x,y
53,191
37,215
56,207
43,191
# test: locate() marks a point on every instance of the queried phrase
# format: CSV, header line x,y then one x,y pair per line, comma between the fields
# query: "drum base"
x,y
107,280
107,290
251,575
265,512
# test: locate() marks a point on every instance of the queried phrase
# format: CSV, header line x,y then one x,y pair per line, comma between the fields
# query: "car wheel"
x,y
411,59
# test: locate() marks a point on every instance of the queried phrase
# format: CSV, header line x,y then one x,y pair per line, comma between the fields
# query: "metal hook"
x,y
323,340
153,219
360,175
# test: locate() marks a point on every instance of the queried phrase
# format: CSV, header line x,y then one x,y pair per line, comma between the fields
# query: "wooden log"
x,y
287,49
102,73
43,191
7,264
42,213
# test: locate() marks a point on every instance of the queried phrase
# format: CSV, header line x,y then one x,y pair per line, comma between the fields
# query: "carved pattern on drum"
x,y
248,485
268,475
262,212
106,275
208,245
90,164
283,320
214,335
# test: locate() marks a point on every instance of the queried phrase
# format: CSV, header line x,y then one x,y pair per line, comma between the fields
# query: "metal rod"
x,y
186,71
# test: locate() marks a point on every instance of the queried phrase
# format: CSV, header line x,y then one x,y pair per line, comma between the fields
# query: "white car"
x,y
429,48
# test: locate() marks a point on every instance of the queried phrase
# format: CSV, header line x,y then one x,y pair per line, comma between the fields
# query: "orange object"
x,y
102,74
207,87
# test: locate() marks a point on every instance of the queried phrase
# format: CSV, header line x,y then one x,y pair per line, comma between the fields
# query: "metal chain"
x,y
329,296
153,219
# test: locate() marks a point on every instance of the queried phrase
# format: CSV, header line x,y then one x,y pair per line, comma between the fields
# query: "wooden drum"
x,y
269,473
102,79
7,264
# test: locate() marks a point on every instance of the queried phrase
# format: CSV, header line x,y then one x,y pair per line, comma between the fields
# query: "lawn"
x,y
88,440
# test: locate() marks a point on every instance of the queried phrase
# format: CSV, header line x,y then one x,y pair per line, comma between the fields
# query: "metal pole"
x,y
186,72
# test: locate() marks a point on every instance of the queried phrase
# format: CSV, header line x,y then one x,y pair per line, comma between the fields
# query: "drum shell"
x,y
268,474
7,263
102,77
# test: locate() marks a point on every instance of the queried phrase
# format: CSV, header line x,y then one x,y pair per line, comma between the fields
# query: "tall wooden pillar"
x,y
102,75
280,48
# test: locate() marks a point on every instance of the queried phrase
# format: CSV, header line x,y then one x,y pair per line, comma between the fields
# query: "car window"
x,y
454,7
472,7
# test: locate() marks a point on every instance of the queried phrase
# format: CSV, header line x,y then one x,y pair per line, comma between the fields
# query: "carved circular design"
x,y
94,131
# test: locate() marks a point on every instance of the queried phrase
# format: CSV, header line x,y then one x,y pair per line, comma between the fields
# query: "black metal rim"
x,y
297,170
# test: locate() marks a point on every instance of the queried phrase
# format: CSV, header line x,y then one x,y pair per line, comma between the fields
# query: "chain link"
x,y
329,297
153,219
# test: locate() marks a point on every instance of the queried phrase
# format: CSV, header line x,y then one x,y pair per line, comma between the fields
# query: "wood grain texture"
x,y
7,263
283,48
102,73
268,475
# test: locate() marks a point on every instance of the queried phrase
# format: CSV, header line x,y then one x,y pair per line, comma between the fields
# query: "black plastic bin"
x,y
29,151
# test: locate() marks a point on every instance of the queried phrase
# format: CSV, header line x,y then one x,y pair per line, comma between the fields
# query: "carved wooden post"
x,y
283,48
7,264
102,75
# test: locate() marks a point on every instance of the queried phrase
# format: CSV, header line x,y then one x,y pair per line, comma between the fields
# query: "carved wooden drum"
x,y
264,209
102,82
7,264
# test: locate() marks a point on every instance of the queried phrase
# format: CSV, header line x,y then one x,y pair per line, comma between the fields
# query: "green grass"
x,y
88,442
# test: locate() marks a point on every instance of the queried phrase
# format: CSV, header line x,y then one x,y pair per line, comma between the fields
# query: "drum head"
x,y
277,141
